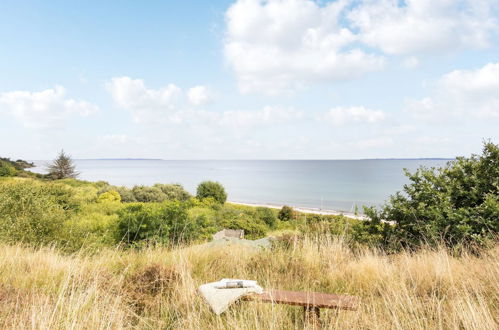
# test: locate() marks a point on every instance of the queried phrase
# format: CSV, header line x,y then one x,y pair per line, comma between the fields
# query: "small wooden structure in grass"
x,y
312,302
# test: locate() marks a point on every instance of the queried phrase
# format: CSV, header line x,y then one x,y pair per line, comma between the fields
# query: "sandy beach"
x,y
306,210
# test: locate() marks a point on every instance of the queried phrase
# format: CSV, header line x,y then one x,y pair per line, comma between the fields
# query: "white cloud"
x,y
145,104
462,93
45,109
342,115
416,26
282,45
200,95
275,45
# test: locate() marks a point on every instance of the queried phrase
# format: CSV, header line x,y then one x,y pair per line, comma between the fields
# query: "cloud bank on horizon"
x,y
287,79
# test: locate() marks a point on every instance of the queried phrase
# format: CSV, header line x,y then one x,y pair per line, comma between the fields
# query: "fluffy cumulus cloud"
x,y
200,95
344,115
46,109
144,103
274,45
414,26
278,45
170,106
462,93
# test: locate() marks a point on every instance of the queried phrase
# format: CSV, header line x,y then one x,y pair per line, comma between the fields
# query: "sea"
x,y
339,185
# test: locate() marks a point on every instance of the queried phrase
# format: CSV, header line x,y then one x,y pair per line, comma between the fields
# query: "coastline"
x,y
305,210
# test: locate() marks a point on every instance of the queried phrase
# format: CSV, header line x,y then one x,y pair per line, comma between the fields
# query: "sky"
x,y
248,79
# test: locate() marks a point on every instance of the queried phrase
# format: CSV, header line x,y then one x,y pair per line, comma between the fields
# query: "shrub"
x,y
157,223
31,212
173,191
139,222
211,189
126,194
148,194
266,215
7,169
109,196
456,204
286,213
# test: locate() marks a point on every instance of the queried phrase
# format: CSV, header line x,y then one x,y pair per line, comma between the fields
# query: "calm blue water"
x,y
326,184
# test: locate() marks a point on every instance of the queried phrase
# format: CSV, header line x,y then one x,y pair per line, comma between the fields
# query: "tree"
x,y
456,204
286,213
211,189
62,167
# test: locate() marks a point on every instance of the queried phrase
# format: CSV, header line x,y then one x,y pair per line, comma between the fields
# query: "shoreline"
x,y
304,210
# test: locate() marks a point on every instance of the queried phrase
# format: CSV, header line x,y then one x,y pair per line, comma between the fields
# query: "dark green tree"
x,y
456,205
211,189
286,213
62,167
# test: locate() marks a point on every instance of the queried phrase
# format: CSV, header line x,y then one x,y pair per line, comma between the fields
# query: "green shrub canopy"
x,y
456,204
212,189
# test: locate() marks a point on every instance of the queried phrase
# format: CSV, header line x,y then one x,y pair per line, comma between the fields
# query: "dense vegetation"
x,y
457,205
74,214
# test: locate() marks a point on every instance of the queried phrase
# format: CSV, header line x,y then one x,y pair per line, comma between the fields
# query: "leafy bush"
x,y
211,189
157,223
7,169
89,231
31,212
286,213
126,194
266,215
231,217
109,197
456,204
174,191
139,222
148,194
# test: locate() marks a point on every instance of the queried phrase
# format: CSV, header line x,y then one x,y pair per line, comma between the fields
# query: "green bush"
x,y
212,189
31,212
232,217
126,194
109,197
167,222
7,169
286,213
266,215
173,191
148,194
139,222
455,205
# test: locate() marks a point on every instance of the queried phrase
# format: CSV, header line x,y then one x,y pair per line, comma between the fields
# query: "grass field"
x,y
156,288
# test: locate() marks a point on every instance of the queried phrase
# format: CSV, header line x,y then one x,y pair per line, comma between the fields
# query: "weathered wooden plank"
x,y
312,299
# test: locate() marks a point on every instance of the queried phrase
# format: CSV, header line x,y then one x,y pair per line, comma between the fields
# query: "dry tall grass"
x,y
156,288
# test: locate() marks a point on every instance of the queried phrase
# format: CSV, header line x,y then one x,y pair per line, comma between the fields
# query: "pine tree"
x,y
62,167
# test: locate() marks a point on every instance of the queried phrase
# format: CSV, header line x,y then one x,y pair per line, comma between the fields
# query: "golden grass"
x,y
156,288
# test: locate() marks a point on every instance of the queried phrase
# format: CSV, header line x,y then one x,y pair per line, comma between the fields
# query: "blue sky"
x,y
248,79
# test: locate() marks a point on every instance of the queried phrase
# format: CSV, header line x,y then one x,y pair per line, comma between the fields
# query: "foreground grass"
x,y
156,288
